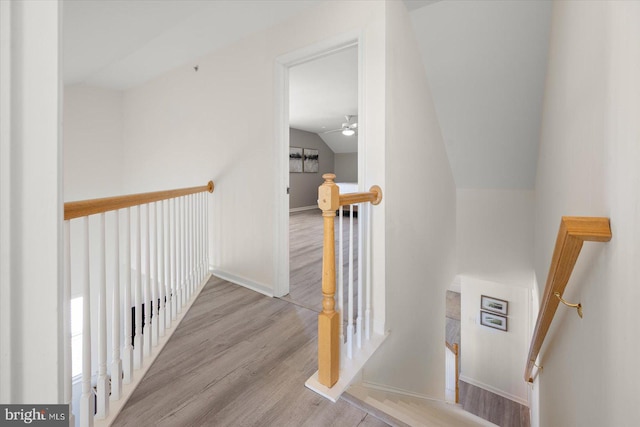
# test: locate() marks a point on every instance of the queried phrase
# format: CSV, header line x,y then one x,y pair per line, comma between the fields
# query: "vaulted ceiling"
x,y
485,62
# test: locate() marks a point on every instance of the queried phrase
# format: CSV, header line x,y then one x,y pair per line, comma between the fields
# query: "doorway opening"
x,y
319,113
323,138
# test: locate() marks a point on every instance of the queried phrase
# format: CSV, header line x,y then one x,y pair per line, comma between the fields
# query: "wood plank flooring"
x,y
305,260
492,407
238,359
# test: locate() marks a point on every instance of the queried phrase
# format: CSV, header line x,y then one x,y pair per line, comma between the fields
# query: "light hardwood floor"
x,y
305,260
238,359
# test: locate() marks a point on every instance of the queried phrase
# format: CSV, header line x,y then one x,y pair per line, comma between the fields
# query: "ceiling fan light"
x,y
348,132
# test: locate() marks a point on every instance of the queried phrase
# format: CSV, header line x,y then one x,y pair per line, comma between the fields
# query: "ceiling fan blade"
x,y
333,130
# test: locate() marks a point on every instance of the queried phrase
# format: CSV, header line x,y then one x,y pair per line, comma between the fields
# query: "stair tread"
x,y
416,411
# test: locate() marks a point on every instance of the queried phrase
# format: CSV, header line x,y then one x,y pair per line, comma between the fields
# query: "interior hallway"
x,y
238,358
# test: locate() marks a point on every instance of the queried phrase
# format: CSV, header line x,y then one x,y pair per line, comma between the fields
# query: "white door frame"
x,y
281,87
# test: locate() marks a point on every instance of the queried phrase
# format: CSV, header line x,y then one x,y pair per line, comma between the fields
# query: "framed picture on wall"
x,y
310,160
494,304
493,320
295,159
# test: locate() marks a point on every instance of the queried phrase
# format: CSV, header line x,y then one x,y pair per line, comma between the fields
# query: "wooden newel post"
x,y
329,318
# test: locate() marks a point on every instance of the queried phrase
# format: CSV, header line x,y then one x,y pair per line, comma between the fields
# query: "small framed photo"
x,y
493,320
310,160
494,304
295,159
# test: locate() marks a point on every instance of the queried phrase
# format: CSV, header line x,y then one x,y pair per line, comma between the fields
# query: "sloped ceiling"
x,y
485,63
321,93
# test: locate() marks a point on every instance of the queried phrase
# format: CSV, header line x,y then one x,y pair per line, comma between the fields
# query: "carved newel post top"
x,y
329,194
328,178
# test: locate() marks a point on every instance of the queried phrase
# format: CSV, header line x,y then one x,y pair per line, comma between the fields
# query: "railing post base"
x,y
328,348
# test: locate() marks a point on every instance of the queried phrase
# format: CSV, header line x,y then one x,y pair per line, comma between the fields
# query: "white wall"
x,y
490,358
187,127
588,165
92,135
420,225
30,203
346,168
495,235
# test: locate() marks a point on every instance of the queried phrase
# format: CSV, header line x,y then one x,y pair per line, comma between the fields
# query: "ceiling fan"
x,y
347,129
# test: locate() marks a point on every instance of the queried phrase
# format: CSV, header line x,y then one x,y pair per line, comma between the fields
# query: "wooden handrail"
x,y
572,233
94,206
374,195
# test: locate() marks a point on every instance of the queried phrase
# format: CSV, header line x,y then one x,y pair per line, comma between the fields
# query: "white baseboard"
x,y
304,208
494,390
242,281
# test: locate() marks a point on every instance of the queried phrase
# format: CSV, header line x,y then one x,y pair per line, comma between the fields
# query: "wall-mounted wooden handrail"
x,y
572,233
94,206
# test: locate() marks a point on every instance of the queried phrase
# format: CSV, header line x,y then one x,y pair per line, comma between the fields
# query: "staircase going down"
x,y
402,410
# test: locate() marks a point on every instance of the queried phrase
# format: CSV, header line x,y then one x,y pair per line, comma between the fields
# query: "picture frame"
x,y
310,160
295,160
492,320
494,305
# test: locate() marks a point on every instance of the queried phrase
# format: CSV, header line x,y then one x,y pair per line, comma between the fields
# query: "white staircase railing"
x,y
157,263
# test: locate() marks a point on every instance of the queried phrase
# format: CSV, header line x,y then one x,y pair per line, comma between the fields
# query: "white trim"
x,y
244,282
349,369
281,178
6,364
494,390
304,208
115,406
281,219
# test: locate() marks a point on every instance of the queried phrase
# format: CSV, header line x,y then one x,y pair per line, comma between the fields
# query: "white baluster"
x,y
360,278
127,351
179,254
146,331
161,276
86,399
68,386
350,295
137,339
102,391
183,253
116,363
341,276
174,262
367,313
188,241
206,232
189,245
198,210
167,263
201,264
153,274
